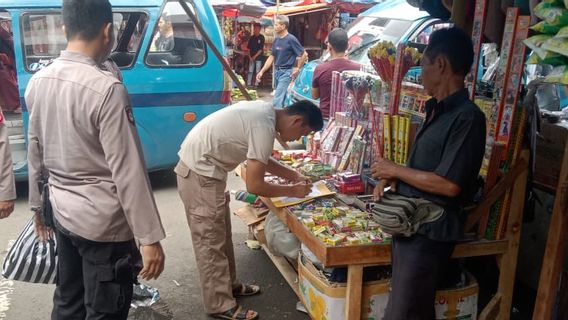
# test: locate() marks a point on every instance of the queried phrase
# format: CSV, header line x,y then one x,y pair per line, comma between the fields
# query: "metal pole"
x,y
214,49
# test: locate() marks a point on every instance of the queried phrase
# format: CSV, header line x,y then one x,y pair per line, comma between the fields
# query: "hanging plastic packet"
x,y
545,27
557,45
558,75
550,58
552,14
535,43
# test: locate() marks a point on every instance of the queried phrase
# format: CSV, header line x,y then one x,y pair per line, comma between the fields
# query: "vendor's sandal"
x,y
237,313
243,290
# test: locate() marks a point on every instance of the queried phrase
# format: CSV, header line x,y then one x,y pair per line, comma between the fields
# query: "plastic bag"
x,y
545,27
557,45
535,43
280,240
558,75
563,33
30,259
551,58
552,14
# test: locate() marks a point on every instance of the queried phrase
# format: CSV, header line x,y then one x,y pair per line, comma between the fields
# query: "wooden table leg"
x,y
354,292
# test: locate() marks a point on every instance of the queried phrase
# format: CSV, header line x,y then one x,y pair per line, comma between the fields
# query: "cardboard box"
x,y
326,300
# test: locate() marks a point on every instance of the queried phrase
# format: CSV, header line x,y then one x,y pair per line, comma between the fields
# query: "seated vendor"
x,y
443,167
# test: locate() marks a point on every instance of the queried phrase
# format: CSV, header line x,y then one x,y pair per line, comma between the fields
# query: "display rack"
x,y
358,256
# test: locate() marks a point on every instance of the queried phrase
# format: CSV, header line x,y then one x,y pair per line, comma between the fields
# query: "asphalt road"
x,y
178,285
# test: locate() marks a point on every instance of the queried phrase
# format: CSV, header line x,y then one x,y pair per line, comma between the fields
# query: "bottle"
x,y
245,196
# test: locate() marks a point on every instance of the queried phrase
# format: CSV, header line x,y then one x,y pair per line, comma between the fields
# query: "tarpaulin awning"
x,y
354,6
294,8
232,8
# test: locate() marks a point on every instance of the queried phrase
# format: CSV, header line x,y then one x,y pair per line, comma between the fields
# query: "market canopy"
x,y
294,8
354,6
231,8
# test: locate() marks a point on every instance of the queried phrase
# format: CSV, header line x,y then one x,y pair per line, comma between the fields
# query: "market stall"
x,y
377,114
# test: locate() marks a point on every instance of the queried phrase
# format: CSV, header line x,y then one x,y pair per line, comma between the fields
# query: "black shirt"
x,y
256,44
450,143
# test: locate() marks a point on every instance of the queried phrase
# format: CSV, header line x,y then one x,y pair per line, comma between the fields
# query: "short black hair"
x,y
455,44
309,111
338,39
84,19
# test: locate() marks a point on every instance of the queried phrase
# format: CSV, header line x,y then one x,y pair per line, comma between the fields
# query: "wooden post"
x,y
555,246
213,48
513,236
354,292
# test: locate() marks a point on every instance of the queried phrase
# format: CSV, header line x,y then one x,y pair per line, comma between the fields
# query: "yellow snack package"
x,y
557,45
558,75
535,43
563,33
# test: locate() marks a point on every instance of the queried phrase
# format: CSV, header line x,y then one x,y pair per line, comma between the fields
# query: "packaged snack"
x,y
557,45
535,43
551,58
558,75
545,27
552,14
563,33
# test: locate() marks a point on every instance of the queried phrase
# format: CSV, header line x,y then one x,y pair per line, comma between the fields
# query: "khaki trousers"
x,y
208,215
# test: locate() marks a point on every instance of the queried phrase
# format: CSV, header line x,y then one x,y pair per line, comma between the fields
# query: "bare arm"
x,y
315,93
266,66
302,59
255,183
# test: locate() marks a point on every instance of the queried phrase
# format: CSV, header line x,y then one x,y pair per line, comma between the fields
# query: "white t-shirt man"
x,y
226,138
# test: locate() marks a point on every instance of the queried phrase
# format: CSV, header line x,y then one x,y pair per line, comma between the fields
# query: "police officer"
x,y
82,129
7,187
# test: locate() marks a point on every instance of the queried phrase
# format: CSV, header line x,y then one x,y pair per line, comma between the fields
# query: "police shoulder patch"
x,y
129,114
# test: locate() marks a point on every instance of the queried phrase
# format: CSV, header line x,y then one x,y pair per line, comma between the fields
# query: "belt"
x,y
282,67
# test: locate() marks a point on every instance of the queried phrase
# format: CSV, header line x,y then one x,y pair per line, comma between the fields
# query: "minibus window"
x,y
176,42
43,38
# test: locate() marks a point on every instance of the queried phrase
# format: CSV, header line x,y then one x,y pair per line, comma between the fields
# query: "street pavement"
x,y
178,285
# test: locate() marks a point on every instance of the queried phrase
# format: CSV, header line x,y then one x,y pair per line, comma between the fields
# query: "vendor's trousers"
x,y
208,215
94,279
419,265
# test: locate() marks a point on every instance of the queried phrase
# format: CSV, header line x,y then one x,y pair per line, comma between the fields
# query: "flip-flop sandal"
x,y
245,290
237,313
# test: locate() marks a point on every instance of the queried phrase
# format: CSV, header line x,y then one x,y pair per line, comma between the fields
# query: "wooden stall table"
x,y
356,257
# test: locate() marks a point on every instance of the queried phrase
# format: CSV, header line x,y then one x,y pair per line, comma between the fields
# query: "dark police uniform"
x,y
451,143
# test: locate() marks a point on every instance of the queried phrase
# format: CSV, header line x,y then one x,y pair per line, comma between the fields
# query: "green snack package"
x,y
551,58
547,28
552,14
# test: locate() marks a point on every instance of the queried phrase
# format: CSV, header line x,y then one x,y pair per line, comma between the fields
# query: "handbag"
x,y
30,259
400,215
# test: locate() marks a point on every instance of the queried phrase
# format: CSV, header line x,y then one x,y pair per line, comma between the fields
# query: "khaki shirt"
x,y
7,185
218,143
81,117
